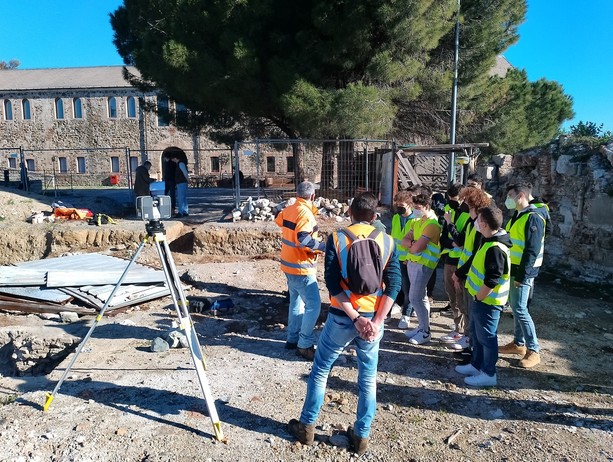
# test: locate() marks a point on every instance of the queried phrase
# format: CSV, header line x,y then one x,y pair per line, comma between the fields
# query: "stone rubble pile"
x,y
33,356
266,210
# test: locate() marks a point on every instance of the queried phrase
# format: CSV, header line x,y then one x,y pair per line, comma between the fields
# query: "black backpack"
x,y
363,270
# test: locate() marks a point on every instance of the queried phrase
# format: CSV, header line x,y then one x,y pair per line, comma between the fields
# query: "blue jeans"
x,y
182,198
525,333
338,332
484,325
304,309
407,309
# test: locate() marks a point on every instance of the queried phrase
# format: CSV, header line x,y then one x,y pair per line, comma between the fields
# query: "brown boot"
x,y
512,349
531,359
303,433
306,353
359,445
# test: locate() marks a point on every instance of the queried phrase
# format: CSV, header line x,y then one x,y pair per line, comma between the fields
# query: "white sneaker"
x,y
411,333
467,369
451,337
460,345
481,380
420,337
405,322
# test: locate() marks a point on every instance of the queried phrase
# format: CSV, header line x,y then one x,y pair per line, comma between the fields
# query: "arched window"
x,y
25,109
112,107
77,108
8,110
163,111
131,107
59,108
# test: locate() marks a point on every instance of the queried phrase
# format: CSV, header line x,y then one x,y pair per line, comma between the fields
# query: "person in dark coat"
x,y
142,180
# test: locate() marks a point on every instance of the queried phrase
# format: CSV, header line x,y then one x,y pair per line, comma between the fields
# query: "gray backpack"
x,y
362,265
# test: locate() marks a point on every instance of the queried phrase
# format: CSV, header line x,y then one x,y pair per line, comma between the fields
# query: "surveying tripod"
x,y
157,234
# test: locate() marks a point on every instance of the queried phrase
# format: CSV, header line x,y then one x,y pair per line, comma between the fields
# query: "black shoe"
x,y
291,345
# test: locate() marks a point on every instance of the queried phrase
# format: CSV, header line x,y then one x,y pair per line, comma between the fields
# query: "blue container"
x,y
157,188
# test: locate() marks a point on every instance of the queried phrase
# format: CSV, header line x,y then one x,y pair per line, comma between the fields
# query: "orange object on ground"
x,y
72,213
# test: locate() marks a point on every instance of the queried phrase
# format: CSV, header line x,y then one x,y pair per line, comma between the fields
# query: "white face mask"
x,y
418,213
510,203
477,227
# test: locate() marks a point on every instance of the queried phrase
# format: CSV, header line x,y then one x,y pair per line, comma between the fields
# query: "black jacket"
x,y
534,232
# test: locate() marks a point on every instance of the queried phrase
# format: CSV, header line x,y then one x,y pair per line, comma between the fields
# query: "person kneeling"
x,y
488,275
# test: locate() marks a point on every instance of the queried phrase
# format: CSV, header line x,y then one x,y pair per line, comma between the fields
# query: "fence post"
x,y
257,167
129,167
366,160
237,183
24,170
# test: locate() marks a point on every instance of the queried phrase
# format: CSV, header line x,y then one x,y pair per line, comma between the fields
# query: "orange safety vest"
x,y
362,303
295,257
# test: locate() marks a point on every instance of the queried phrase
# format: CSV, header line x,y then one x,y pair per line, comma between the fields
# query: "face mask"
x,y
510,203
477,227
401,210
418,213
454,204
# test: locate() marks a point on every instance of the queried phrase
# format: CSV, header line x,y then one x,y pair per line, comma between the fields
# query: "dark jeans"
x,y
484,326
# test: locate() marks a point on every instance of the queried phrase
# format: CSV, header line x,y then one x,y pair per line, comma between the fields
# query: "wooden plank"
x,y
408,169
26,307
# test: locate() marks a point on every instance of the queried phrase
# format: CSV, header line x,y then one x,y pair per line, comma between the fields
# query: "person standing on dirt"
x,y
527,230
353,317
299,249
181,182
488,282
142,180
168,175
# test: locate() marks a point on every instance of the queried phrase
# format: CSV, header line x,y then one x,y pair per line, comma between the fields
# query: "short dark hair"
x,y
364,207
147,163
492,215
523,187
422,199
475,177
454,190
423,189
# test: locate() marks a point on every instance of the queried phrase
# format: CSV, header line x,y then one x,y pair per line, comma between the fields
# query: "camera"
x,y
153,208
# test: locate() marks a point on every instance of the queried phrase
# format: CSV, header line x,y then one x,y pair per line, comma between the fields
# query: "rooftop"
x,y
64,78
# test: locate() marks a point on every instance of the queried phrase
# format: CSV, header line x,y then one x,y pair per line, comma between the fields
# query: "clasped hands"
x,y
367,329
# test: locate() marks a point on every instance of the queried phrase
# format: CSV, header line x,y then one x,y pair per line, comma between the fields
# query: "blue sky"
x,y
567,41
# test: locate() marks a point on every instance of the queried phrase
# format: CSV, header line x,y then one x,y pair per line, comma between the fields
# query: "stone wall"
x,y
577,183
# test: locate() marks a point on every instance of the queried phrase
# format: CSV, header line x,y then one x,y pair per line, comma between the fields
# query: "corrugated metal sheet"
x,y
36,293
11,276
72,266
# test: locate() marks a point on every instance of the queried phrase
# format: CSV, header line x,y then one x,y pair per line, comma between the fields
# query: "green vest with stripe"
x,y
430,255
460,221
517,232
469,243
476,275
398,232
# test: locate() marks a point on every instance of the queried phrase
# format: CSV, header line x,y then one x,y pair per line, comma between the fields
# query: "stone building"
x,y
90,126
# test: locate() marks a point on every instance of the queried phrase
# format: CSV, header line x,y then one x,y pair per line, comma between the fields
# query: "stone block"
x,y
565,166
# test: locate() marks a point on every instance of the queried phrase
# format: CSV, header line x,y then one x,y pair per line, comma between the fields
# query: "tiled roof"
x,y
501,67
64,78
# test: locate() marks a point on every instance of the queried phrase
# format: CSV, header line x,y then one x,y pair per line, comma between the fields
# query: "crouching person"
x,y
488,282
361,297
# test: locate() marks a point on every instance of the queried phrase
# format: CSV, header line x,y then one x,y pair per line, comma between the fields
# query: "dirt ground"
x,y
122,402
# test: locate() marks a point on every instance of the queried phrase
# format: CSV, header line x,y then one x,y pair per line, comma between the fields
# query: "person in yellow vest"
x,y
452,240
402,223
488,281
474,199
475,180
299,249
353,317
424,249
527,230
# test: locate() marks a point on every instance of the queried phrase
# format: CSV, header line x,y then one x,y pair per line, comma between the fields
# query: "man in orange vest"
x,y
353,317
299,249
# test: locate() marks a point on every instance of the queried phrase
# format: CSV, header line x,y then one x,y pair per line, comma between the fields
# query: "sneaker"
x,y
512,349
411,333
306,353
451,337
467,369
420,337
481,380
359,445
303,433
531,359
405,322
460,345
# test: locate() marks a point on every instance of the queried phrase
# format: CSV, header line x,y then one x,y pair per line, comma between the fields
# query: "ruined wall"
x,y
577,183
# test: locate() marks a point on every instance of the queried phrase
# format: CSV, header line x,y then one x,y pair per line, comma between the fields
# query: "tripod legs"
x,y
185,323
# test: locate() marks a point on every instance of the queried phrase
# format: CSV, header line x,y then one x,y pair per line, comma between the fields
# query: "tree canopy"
x,y
10,65
339,68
